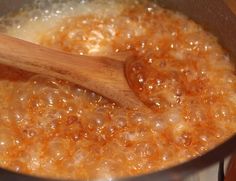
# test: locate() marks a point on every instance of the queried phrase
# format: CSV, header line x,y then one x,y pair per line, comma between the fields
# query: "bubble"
x,y
144,150
157,123
204,138
79,157
97,119
30,132
7,139
120,121
174,115
140,78
165,157
58,148
185,139
139,118
17,114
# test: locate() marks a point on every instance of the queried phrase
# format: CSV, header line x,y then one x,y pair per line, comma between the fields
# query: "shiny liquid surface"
x,y
53,128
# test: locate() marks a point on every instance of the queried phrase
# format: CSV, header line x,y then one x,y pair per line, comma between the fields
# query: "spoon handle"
x,y
99,74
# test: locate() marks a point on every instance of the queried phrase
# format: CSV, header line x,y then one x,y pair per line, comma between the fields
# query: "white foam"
x,y
30,25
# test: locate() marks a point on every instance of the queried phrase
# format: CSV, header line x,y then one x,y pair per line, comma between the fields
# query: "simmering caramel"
x,y
56,129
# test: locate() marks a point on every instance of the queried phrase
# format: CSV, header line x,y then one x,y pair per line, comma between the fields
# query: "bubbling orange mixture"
x,y
53,128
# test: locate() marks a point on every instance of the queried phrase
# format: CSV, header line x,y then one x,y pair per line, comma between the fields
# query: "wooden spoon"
x,y
102,75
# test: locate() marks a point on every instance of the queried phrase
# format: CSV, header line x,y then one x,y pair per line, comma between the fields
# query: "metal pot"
x,y
216,17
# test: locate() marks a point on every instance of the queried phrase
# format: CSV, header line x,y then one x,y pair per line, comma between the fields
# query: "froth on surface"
x,y
46,14
53,128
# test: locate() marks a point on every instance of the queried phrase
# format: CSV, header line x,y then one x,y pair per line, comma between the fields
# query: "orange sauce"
x,y
53,128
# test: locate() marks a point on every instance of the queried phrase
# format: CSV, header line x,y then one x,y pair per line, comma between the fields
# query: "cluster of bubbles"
x,y
54,128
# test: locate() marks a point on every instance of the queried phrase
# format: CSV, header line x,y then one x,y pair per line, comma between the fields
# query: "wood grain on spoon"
x,y
100,74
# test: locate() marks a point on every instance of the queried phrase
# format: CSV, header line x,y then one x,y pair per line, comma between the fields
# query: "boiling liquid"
x,y
56,129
